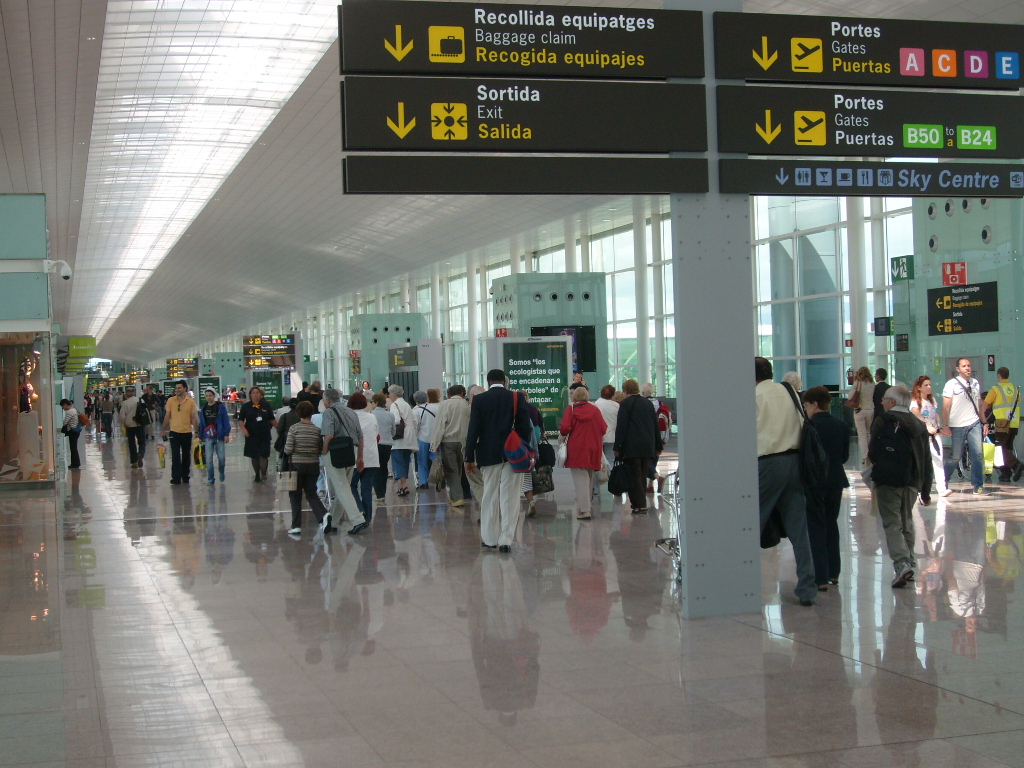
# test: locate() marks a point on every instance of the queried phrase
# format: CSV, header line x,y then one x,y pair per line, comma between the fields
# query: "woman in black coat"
x,y
637,441
257,417
824,501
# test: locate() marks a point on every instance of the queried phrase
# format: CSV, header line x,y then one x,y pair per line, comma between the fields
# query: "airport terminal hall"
x,y
555,383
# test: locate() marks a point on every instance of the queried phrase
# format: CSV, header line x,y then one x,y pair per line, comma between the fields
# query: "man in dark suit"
x,y
490,422
880,386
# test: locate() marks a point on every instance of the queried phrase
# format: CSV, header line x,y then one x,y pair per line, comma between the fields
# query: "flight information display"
x,y
268,351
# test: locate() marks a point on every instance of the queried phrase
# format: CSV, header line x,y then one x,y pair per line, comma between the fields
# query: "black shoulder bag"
x,y
342,448
813,459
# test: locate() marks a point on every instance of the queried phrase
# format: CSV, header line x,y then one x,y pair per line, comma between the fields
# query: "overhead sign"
x,y
403,358
527,40
182,367
826,49
954,273
522,175
82,346
474,115
901,268
883,326
963,309
827,121
830,178
268,351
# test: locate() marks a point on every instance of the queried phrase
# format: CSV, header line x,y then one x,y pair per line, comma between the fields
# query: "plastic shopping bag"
x,y
161,452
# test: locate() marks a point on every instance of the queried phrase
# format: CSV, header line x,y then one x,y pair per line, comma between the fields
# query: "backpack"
x,y
891,454
517,452
141,414
813,459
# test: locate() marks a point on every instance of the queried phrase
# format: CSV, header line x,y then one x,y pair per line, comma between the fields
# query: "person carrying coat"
x,y
584,426
637,441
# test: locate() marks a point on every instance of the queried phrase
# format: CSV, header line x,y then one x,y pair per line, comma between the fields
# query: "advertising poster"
x,y
272,384
167,387
541,367
202,382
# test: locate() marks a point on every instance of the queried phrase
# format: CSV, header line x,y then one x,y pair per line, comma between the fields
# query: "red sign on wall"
x,y
501,333
354,353
954,273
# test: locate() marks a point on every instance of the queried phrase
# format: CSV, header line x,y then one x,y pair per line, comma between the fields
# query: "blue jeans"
x,y
362,490
423,458
214,447
969,438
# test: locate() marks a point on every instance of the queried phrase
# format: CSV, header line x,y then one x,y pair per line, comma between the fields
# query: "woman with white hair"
x,y
405,441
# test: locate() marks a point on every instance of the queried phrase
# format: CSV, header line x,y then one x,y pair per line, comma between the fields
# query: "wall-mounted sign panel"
x,y
541,366
474,115
522,175
828,121
963,309
830,178
825,49
529,40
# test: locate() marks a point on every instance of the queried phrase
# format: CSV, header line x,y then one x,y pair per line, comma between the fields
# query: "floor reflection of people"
x,y
218,537
899,659
588,604
259,544
76,512
965,578
505,652
641,580
307,609
184,539
139,517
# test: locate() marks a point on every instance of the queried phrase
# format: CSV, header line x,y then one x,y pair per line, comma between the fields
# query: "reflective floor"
x,y
144,624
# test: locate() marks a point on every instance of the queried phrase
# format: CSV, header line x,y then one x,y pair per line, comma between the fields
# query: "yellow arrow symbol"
x,y
938,303
397,50
402,128
939,326
763,58
768,133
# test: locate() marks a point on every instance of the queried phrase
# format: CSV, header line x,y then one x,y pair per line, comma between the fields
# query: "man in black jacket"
x,y
492,417
901,469
637,441
880,387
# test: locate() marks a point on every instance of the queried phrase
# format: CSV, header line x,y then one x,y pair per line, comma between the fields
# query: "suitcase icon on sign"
x,y
446,45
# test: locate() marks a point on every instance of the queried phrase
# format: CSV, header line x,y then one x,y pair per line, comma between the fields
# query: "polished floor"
x,y
144,624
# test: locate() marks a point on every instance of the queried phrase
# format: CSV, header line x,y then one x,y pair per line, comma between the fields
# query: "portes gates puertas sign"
x,y
900,52
963,309
826,121
524,40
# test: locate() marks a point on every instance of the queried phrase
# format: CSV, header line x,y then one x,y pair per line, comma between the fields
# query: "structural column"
x,y
472,326
340,345
858,284
660,363
643,311
880,271
584,243
569,232
435,302
713,289
514,256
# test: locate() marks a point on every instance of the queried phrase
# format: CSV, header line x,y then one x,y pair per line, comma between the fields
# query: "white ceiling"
x,y
278,234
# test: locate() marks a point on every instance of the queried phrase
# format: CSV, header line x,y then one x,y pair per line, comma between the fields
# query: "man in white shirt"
x,y
778,472
961,417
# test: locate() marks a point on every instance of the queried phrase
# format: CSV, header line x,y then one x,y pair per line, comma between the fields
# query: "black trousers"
x,y
380,479
180,444
136,444
823,506
308,475
73,443
1010,460
638,491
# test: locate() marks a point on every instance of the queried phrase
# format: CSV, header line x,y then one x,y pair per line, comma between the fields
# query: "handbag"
x,y
853,401
562,453
399,426
342,448
813,459
543,479
601,476
545,454
287,480
436,476
517,451
620,479
199,453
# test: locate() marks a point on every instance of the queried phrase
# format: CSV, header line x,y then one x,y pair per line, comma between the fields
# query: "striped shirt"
x,y
303,443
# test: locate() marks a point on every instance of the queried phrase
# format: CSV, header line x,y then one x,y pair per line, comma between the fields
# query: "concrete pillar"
x,y
880,269
485,306
406,301
643,312
569,233
659,306
584,242
713,288
472,327
340,344
435,301
858,264
514,255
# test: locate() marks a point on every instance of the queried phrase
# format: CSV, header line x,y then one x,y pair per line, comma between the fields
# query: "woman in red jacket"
x,y
584,427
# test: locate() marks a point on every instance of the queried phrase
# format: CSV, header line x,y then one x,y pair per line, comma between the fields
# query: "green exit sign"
x,y
901,268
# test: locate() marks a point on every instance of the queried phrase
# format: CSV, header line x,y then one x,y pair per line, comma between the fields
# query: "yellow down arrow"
x,y
397,50
402,128
768,133
763,58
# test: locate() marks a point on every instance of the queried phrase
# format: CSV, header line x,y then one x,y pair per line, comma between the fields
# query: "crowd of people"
x,y
899,432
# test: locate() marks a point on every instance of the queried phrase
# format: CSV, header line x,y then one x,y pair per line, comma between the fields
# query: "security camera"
x,y
60,267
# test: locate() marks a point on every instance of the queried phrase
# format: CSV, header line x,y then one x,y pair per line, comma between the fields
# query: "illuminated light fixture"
x,y
184,91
